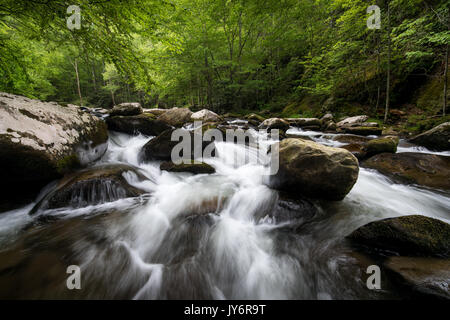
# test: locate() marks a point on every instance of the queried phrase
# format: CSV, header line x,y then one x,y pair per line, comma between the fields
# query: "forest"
x,y
279,57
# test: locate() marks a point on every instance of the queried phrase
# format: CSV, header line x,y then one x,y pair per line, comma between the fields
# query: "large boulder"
x,y
311,169
413,235
424,276
144,123
206,116
195,168
126,109
381,145
352,120
416,168
274,123
176,117
40,141
437,138
160,147
90,187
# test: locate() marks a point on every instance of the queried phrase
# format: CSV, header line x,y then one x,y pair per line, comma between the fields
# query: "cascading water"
x,y
221,236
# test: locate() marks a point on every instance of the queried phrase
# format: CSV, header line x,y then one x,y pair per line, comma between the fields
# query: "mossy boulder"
x,y
305,122
414,235
381,145
310,169
41,141
413,168
192,167
437,138
144,123
363,131
90,187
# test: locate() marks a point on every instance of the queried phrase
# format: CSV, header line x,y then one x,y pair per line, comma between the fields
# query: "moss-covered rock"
x,y
363,131
413,168
193,167
414,235
437,138
381,145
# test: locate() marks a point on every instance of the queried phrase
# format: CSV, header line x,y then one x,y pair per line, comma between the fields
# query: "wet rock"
x,y
305,122
144,123
437,138
195,168
357,149
413,235
205,115
126,109
90,187
352,120
315,170
413,168
160,147
40,141
381,145
176,117
425,276
274,123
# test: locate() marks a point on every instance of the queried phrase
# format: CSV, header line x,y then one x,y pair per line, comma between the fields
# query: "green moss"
x,y
67,164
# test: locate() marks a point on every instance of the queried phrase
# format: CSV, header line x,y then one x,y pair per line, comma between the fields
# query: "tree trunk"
x,y
444,106
75,65
388,82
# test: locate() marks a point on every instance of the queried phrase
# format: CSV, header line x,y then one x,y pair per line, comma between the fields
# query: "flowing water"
x,y
220,236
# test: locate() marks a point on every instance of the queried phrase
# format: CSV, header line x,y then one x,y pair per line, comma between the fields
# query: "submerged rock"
x,y
414,235
417,168
437,138
176,117
160,147
144,123
425,276
40,141
90,187
127,109
195,168
314,170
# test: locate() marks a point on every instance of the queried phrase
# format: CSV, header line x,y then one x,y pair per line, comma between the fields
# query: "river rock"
x,y
347,138
160,147
414,235
425,276
274,123
437,138
144,123
357,149
417,168
126,109
352,120
40,141
305,122
205,115
176,117
381,145
314,170
90,187
195,168
255,117
327,117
